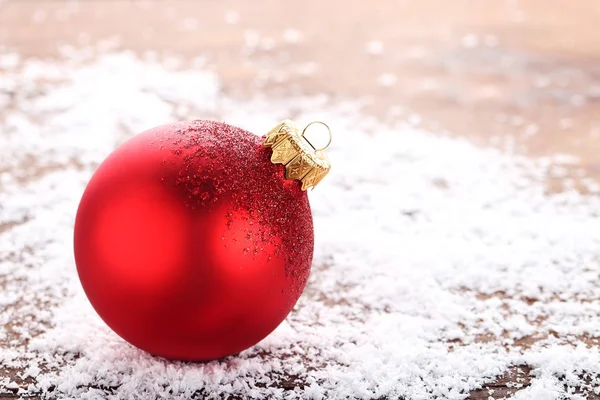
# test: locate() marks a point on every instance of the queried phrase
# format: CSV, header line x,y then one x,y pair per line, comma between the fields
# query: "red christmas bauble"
x,y
190,243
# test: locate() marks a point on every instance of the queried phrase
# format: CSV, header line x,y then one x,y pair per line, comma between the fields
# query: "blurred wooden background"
x,y
523,75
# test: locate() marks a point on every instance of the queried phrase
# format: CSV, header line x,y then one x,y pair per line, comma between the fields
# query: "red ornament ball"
x,y
190,243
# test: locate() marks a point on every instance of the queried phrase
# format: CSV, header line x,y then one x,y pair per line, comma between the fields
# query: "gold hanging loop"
x,y
328,132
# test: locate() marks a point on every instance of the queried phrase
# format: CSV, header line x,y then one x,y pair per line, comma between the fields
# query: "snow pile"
x,y
438,265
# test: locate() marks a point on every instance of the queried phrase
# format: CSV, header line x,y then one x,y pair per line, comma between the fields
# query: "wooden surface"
x,y
520,75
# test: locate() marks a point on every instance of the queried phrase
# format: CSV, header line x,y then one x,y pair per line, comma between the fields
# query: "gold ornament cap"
x,y
301,159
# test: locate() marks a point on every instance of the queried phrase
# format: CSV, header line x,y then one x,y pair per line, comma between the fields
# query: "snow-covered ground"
x,y
438,264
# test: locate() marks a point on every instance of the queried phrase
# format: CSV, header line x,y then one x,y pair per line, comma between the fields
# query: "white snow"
x,y
424,244
374,47
470,41
232,17
387,79
291,35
